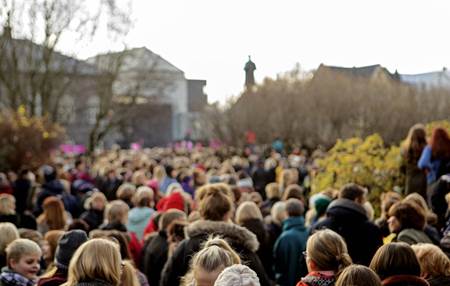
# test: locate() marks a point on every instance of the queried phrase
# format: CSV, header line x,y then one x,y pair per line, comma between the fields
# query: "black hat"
x,y
67,245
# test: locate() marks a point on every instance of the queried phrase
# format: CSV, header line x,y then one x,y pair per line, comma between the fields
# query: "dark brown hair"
x,y
397,258
215,201
409,215
358,275
352,192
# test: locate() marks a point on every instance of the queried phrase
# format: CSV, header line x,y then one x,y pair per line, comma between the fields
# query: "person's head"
x,y
247,211
125,192
143,197
354,193
416,141
321,204
326,251
7,204
289,177
215,202
51,237
9,233
355,275
403,215
273,191
170,216
67,245
440,143
117,212
387,200
293,191
294,208
237,275
23,256
278,212
97,201
97,258
54,213
207,264
417,199
433,261
396,258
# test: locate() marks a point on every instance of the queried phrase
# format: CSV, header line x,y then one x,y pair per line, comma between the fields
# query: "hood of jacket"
x,y
348,209
297,222
233,233
139,215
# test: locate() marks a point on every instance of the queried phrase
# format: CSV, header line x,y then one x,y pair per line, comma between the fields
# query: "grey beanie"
x,y
237,275
67,245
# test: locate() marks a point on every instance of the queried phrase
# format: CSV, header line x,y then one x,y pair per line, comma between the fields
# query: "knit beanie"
x,y
67,245
321,204
237,275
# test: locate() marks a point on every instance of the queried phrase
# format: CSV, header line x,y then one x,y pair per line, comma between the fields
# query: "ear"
x,y
12,263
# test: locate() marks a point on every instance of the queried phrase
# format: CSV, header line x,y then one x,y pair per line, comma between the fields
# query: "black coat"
x,y
241,240
94,218
154,257
349,219
265,249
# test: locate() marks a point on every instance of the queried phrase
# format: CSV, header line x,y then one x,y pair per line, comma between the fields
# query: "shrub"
x,y
26,142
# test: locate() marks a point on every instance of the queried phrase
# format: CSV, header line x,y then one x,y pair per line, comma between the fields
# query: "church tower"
x,y
249,68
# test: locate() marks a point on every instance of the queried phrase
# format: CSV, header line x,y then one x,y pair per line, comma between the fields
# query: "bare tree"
x,y
34,74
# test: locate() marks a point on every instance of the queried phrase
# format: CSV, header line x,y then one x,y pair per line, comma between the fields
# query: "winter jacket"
x,y
439,281
288,251
404,280
265,248
138,219
94,218
413,236
57,279
349,219
431,165
155,256
241,240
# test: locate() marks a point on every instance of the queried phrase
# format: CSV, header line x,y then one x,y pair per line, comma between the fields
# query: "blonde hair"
x,y
20,247
273,191
126,191
328,251
95,196
7,204
97,258
216,254
116,211
433,261
369,210
9,233
143,197
246,211
278,212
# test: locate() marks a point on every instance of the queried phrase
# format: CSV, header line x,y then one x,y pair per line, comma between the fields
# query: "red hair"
x,y
440,143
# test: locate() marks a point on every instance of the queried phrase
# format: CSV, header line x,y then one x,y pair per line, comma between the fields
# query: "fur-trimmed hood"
x,y
234,234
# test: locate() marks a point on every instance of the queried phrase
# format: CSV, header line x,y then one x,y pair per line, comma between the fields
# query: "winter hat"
x,y
173,201
67,245
321,204
237,275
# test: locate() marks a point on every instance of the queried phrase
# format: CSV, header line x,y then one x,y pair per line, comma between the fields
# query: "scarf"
x,y
13,278
318,279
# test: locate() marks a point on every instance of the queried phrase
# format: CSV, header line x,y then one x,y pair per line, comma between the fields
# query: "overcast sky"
x,y
211,40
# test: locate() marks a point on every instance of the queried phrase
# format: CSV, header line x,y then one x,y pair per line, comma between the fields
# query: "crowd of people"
x,y
201,216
